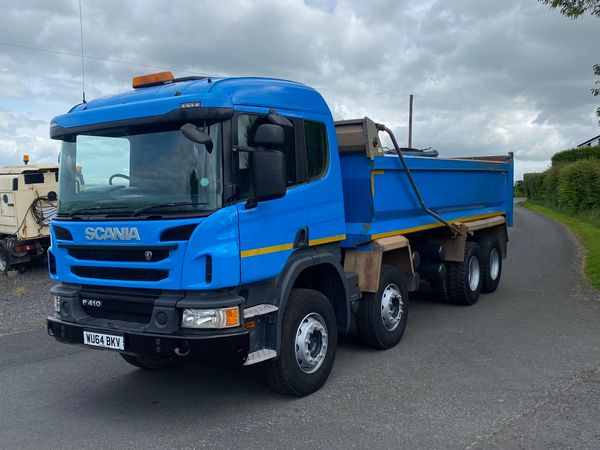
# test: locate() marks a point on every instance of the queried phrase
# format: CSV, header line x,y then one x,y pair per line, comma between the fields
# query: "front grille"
x,y
119,305
114,273
51,263
62,233
121,310
180,233
121,254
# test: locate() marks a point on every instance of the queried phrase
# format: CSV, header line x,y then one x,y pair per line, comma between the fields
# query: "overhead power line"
x,y
96,58
82,58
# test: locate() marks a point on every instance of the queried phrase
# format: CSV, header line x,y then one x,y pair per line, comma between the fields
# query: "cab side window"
x,y
246,127
316,149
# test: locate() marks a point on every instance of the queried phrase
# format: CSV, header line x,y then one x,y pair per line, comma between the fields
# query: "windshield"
x,y
123,172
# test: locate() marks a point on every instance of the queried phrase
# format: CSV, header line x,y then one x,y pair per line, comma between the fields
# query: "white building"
x,y
590,142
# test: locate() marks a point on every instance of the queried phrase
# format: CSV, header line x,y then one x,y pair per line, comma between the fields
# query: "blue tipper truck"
x,y
232,221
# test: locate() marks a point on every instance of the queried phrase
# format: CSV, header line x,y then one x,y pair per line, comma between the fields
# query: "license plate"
x,y
103,340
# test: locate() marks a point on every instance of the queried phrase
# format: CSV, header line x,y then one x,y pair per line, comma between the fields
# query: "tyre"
x,y
464,278
308,344
147,362
491,264
382,316
4,260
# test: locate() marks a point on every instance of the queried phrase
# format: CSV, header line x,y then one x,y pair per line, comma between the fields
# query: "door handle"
x,y
301,239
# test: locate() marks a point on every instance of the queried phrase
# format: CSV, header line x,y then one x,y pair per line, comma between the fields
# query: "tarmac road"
x,y
521,368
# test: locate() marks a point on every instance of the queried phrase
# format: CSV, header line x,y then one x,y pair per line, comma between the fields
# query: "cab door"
x,y
270,231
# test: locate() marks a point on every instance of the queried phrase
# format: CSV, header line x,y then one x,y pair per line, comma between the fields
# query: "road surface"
x,y
521,368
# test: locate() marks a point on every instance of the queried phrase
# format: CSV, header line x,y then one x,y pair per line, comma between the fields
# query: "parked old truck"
x,y
27,204
232,221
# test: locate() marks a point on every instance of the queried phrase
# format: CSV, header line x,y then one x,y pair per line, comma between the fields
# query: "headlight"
x,y
211,318
56,303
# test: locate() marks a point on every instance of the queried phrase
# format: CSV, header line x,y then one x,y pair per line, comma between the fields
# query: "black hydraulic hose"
x,y
452,228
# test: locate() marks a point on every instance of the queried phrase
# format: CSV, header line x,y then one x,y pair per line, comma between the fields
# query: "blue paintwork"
x,y
218,93
455,189
317,205
216,235
337,204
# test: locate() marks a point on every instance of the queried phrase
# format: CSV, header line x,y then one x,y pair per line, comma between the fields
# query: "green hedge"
x,y
519,189
573,187
534,185
576,154
579,185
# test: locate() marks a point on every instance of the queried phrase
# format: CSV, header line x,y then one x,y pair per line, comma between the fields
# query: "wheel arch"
x,y
319,269
472,231
366,262
499,232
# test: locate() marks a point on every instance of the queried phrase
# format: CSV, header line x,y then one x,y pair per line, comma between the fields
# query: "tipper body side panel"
x,y
379,200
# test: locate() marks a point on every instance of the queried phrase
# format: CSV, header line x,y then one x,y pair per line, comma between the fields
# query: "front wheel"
x,y
382,316
308,344
4,259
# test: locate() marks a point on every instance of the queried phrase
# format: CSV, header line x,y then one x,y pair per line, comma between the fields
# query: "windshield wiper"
x,y
139,211
95,208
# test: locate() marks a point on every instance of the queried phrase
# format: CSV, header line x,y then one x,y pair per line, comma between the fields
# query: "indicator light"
x,y
211,318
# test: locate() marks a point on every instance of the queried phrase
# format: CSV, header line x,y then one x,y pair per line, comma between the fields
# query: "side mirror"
x,y
194,134
269,135
268,174
276,119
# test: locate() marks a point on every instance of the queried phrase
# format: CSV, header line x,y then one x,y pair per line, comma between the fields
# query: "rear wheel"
x,y
464,278
147,362
308,344
382,316
491,264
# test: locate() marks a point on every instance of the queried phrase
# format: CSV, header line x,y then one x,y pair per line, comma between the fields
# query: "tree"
x,y
596,91
573,9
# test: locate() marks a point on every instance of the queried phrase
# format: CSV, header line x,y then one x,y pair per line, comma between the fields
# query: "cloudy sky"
x,y
488,76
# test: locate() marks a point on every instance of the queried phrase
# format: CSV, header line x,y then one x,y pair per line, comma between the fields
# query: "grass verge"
x,y
589,234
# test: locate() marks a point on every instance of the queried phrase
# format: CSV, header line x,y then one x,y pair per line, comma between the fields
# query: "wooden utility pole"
x,y
410,108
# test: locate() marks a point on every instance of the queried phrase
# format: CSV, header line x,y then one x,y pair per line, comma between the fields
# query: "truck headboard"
x,y
358,136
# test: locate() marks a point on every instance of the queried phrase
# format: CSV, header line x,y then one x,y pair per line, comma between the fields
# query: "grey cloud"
x,y
21,135
488,76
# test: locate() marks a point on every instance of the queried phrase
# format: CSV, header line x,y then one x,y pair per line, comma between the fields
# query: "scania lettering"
x,y
112,233
232,221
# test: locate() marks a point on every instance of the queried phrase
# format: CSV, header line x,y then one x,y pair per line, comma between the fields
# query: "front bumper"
x,y
224,349
150,325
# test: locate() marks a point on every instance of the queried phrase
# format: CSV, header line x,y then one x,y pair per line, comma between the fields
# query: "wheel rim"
x,y
474,273
391,307
2,262
311,343
494,264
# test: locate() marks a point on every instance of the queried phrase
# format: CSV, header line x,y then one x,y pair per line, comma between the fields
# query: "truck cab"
x,y
205,219
151,223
